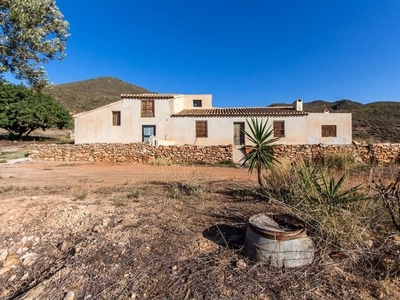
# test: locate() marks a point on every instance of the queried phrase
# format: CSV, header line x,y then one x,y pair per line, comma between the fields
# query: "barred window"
x,y
201,129
147,108
279,129
328,130
116,118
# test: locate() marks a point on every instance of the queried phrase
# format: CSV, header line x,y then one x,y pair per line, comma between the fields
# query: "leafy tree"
x,y
31,34
261,155
23,110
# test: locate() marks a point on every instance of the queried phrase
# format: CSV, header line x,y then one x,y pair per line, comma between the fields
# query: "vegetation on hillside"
x,y
23,110
89,94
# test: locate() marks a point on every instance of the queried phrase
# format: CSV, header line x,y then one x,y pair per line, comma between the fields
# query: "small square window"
x,y
201,129
147,108
279,129
197,103
328,130
116,118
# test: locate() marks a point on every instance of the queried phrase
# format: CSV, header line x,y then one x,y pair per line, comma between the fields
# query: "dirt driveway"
x,y
39,173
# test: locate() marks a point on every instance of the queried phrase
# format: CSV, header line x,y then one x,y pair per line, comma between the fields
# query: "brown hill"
x,y
89,94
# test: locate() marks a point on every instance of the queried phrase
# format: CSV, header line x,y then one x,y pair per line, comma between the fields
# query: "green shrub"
x,y
134,193
343,161
81,196
177,190
162,162
13,154
228,162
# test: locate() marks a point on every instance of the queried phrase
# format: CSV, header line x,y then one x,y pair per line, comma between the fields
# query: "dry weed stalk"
x,y
390,196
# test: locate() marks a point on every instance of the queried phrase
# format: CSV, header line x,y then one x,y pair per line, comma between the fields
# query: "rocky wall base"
x,y
135,152
140,152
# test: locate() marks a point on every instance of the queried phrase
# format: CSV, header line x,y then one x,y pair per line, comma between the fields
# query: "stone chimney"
x,y
298,105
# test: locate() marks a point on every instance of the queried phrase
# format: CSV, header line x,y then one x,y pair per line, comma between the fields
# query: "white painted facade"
x,y
175,119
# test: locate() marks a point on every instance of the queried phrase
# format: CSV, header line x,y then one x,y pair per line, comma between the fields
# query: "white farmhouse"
x,y
173,119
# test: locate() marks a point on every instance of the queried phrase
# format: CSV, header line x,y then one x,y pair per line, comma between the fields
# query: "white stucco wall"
x,y
96,126
182,102
298,130
343,122
221,130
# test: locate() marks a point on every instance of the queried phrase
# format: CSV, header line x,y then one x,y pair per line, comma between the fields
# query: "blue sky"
x,y
245,53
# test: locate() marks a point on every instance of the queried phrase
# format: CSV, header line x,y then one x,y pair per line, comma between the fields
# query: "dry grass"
x,y
183,240
349,227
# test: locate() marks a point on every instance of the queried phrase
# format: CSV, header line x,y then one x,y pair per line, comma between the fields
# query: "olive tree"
x,y
31,34
23,110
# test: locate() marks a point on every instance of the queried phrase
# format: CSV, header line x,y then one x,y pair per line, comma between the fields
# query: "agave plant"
x,y
261,155
330,192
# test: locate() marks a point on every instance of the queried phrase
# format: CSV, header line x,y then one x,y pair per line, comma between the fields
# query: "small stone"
x,y
12,278
21,250
24,240
98,228
134,296
105,222
396,239
69,296
24,277
3,255
63,246
241,264
12,259
29,259
174,270
369,243
4,270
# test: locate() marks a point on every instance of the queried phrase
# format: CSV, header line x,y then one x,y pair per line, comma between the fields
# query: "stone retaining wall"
x,y
367,153
135,152
140,152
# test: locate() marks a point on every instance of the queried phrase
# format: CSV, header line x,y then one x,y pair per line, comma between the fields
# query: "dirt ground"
x,y
134,231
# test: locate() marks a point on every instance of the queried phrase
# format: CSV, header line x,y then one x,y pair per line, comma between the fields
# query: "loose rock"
x,y
29,258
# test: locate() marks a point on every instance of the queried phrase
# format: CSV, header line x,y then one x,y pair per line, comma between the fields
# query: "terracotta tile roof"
x,y
240,112
147,96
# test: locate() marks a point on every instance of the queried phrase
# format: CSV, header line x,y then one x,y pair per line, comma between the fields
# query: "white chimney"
x,y
298,105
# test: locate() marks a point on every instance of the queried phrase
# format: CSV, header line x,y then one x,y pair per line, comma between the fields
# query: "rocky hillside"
x,y
88,94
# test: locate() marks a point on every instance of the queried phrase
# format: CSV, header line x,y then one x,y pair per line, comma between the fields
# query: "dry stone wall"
x,y
366,153
140,152
135,152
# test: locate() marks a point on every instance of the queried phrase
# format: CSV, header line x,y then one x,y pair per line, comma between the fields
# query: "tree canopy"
x,y
22,110
31,34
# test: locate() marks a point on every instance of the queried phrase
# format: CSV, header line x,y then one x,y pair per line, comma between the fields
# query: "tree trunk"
x,y
260,177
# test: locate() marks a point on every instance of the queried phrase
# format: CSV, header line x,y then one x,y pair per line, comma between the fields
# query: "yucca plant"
x,y
261,154
331,193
